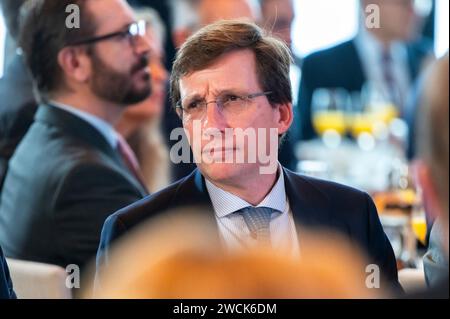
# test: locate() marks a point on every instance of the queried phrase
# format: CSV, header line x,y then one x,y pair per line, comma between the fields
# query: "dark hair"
x,y
10,10
272,56
43,33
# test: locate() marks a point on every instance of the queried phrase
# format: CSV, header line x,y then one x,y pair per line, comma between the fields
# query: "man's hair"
x,y
272,56
10,10
433,128
43,33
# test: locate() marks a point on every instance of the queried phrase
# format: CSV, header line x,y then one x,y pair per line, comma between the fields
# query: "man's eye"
x,y
193,105
230,98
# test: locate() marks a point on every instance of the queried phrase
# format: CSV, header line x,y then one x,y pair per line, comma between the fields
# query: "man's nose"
x,y
214,117
141,45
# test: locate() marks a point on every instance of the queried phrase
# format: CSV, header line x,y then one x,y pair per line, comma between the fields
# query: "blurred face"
x,y
233,74
213,10
153,105
278,16
120,72
398,19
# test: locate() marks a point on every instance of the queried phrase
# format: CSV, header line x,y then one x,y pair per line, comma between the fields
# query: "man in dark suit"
x,y
385,55
72,169
17,102
227,77
6,286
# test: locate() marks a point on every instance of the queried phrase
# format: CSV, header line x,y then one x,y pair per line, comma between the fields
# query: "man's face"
x,y
120,72
233,74
278,15
398,19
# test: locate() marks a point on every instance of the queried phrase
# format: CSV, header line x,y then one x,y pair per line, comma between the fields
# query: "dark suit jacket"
x,y
6,287
314,203
341,67
17,109
64,180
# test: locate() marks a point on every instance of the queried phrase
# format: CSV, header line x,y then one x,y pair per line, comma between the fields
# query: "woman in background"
x,y
140,124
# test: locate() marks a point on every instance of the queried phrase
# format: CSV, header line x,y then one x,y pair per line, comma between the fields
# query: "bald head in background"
x,y
214,10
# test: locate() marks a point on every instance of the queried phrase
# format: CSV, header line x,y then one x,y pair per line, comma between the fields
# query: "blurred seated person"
x,y
17,102
73,169
179,256
432,174
389,58
6,286
231,76
140,124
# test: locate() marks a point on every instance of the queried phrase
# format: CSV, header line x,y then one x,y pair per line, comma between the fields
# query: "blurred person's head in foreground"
x,y
191,15
154,263
151,108
432,164
277,16
398,20
246,73
100,67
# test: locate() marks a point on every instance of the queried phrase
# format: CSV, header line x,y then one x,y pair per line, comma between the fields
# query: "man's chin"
x,y
137,96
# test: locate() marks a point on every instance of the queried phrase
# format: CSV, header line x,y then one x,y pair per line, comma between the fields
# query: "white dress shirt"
x,y
370,50
104,128
232,227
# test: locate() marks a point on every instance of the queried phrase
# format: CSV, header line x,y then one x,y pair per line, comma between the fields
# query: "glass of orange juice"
x,y
419,226
329,107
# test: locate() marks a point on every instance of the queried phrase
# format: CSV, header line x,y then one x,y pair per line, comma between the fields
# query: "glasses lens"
x,y
137,28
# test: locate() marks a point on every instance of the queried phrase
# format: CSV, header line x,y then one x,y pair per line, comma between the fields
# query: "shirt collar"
x,y
105,129
368,45
225,203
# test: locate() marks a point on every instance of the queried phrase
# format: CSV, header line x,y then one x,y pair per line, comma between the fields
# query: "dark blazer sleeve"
x,y
6,286
87,196
379,247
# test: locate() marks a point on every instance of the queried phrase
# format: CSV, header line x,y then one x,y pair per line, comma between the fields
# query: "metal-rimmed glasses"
x,y
132,32
229,104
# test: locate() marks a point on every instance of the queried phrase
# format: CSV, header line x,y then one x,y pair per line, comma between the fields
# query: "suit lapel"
x,y
310,206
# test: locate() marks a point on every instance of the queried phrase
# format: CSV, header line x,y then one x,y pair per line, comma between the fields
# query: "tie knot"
x,y
258,221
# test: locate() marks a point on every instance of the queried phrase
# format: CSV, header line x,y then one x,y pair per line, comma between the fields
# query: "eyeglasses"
x,y
132,32
229,104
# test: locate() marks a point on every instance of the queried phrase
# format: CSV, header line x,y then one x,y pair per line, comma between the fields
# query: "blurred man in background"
x,y
72,169
386,56
432,173
17,101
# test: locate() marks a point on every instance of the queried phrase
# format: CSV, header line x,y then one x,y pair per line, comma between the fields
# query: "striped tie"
x,y
258,222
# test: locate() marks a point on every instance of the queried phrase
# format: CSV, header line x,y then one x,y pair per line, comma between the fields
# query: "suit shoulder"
x,y
330,54
331,190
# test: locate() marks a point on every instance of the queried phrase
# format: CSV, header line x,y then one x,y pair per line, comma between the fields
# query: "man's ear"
x,y
286,117
424,179
75,63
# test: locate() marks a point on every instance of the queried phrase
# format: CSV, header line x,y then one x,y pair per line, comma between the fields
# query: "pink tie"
x,y
129,158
